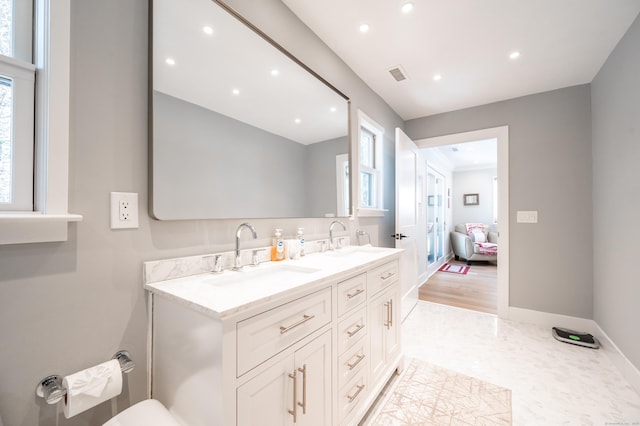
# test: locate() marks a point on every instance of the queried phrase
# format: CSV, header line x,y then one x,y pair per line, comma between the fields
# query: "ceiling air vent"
x,y
398,73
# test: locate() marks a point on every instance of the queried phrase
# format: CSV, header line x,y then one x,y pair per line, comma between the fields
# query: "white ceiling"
x,y
562,43
476,155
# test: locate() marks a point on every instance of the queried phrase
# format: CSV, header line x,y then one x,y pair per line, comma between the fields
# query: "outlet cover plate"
x,y
124,210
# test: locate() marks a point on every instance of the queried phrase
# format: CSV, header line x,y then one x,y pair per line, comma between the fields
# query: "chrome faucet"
x,y
344,228
237,264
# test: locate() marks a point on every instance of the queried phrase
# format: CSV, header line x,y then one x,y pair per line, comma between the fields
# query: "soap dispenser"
x,y
300,238
277,250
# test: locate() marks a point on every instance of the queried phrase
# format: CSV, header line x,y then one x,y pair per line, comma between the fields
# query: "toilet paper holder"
x,y
51,389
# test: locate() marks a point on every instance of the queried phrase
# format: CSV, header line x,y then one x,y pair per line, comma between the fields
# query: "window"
x,y
37,31
370,175
17,83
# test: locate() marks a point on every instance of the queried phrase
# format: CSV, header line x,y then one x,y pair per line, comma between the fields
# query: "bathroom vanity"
x,y
305,342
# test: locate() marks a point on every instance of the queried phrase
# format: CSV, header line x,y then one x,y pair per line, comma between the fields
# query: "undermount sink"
x,y
350,251
262,274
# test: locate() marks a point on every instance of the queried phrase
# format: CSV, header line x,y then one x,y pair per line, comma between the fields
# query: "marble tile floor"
x,y
552,383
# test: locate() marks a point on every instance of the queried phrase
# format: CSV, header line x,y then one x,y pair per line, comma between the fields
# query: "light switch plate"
x,y
124,210
527,216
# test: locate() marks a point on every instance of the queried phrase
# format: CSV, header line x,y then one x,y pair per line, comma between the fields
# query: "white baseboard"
x,y
622,363
546,319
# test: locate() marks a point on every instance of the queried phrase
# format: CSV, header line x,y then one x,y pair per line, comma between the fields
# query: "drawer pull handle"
x,y
355,395
304,319
355,293
358,328
353,365
386,277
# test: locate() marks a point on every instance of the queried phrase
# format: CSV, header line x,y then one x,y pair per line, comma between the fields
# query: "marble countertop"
x,y
230,292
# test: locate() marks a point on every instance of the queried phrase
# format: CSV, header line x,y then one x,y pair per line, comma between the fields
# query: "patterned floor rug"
x,y
425,394
455,269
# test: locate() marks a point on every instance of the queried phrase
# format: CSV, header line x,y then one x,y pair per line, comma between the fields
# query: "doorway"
x,y
501,134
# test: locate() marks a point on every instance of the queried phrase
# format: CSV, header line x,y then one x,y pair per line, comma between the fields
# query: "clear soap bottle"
x,y
277,250
300,237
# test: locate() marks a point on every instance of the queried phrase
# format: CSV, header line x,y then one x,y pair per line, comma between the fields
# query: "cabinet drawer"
x,y
352,394
351,293
382,276
351,329
350,362
264,335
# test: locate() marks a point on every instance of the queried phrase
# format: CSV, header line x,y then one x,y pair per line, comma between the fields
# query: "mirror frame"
x,y
235,14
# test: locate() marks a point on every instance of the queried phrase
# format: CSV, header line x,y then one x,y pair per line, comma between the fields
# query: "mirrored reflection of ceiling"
x,y
470,155
468,43
187,66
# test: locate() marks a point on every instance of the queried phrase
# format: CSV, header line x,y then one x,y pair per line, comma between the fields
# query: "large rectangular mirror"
x,y
240,129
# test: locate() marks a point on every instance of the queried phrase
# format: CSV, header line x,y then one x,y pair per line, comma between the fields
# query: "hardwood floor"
x,y
476,290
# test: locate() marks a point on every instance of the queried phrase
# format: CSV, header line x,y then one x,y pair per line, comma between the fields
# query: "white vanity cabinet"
x,y
318,353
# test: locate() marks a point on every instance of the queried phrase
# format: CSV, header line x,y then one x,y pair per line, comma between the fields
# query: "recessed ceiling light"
x,y
333,109
514,55
207,30
364,28
170,61
407,7
274,72
437,77
297,121
235,91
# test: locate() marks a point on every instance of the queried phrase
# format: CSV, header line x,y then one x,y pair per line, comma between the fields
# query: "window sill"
x,y
20,228
365,212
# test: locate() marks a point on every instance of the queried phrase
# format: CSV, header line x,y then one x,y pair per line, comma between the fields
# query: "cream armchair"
x,y
463,246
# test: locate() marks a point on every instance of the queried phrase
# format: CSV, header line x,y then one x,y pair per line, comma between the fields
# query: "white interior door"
x,y
435,218
407,223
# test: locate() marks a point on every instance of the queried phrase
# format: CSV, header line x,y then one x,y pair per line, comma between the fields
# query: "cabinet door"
x,y
313,365
295,390
267,398
384,331
377,329
392,336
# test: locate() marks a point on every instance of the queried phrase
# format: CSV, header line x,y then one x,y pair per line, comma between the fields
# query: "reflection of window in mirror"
x,y
342,179
370,137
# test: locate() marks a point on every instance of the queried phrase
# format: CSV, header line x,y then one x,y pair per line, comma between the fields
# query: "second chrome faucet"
x,y
237,263
332,245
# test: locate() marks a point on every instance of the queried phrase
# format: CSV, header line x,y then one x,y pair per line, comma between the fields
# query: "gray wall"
x,y
473,182
615,109
549,171
68,306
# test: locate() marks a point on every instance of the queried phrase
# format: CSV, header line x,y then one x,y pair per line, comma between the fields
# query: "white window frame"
x,y
50,217
377,210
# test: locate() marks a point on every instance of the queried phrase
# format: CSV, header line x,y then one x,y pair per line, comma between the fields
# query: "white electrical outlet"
x,y
124,210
